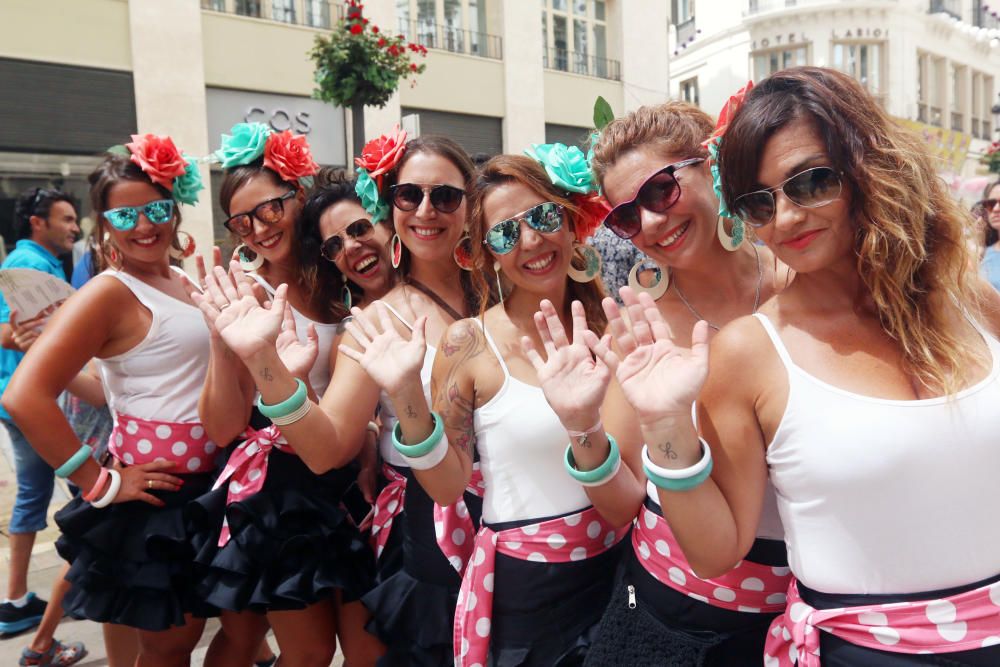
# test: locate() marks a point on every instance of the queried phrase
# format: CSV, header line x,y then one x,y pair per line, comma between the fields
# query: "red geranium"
x,y
357,29
382,154
158,158
288,155
593,209
729,110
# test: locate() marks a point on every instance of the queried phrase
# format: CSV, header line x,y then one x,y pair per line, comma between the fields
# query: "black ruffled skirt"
x,y
291,544
132,563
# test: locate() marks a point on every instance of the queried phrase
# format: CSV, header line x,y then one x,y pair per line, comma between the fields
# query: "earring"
x,y
657,289
591,263
396,248
249,260
463,252
346,297
734,241
113,256
186,248
496,270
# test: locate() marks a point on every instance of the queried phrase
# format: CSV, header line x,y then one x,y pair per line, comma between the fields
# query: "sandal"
x,y
58,655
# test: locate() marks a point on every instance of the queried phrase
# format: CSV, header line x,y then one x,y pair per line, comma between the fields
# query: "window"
x,y
864,62
454,25
248,7
689,91
214,5
767,63
575,33
982,112
957,99
318,13
283,10
930,89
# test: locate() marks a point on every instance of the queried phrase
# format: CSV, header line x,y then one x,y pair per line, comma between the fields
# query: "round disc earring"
x,y
463,252
249,260
657,289
396,248
731,242
591,263
346,297
187,246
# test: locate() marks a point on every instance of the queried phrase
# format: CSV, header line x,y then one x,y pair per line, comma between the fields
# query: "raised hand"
x,y
573,380
659,379
392,361
297,356
27,332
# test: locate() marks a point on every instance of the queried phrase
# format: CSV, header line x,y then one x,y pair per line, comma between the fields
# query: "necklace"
x,y
419,286
756,297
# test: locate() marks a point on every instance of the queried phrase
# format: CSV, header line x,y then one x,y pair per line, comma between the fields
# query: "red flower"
x,y
381,42
423,49
288,155
382,154
593,209
375,29
393,50
357,29
413,67
728,111
158,158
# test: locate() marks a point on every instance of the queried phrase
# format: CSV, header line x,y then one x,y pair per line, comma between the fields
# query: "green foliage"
x,y
991,158
602,113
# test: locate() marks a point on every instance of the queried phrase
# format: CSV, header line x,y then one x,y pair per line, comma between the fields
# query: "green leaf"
x,y
602,113
119,150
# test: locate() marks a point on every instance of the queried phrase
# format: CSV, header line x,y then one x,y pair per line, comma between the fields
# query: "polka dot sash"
x,y
571,538
749,587
962,622
247,468
388,505
135,441
453,526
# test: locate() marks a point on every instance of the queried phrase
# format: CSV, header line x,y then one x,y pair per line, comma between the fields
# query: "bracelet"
x,y
432,458
373,427
91,495
293,417
112,492
593,429
683,479
287,406
74,462
421,448
603,473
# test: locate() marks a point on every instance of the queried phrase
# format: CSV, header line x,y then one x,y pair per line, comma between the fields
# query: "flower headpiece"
x,y
285,153
378,157
729,110
166,166
569,170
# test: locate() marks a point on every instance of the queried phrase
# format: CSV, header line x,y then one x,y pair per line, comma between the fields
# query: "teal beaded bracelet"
x,y
421,448
74,462
601,473
287,406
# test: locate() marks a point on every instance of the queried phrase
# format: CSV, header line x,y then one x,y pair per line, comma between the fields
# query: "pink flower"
x,y
382,154
593,209
729,110
158,158
288,155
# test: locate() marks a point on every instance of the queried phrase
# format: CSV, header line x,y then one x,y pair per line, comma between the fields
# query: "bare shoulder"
x,y
739,355
462,340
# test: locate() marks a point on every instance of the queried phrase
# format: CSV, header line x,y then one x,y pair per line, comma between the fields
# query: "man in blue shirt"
x,y
45,224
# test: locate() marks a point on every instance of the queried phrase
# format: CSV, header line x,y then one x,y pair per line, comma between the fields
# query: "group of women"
x,y
556,480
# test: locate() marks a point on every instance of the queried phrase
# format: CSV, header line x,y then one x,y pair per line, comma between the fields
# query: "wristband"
x,y
112,492
287,406
603,473
74,462
683,479
293,417
421,448
91,495
593,429
432,458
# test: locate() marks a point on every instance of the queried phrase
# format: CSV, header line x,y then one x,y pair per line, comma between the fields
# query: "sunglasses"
x,y
408,196
124,218
811,188
357,230
985,207
546,218
657,193
268,212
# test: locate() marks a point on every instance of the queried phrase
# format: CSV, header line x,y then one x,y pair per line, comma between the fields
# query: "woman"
x,y
425,181
655,171
287,549
873,374
130,548
988,211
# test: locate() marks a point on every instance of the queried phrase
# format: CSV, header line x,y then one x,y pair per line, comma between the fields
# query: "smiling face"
x,y
685,233
806,239
539,261
993,214
274,242
364,261
427,233
145,243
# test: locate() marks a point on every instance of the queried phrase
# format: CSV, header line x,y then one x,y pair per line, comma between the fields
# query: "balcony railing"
x,y
455,40
685,31
950,7
957,121
312,13
581,63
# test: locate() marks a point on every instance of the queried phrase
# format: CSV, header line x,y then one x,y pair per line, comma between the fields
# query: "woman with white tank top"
x,y
131,549
539,573
866,391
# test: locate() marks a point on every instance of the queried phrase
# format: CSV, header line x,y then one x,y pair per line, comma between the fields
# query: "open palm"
x,y
297,355
392,361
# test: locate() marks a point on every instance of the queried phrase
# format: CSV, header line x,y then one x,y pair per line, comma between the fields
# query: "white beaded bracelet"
x,y
679,473
113,488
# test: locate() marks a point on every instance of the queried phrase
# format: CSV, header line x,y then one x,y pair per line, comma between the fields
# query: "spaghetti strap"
x,y
396,313
779,347
493,346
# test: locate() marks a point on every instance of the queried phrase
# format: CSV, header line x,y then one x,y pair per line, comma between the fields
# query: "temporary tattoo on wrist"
x,y
267,375
410,412
667,448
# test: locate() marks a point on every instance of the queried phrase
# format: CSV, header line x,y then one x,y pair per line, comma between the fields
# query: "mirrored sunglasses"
x,y
124,218
546,218
811,188
334,245
408,196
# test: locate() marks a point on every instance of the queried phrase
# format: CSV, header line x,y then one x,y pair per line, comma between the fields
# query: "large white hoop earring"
x,y
591,263
735,240
657,289
186,244
249,260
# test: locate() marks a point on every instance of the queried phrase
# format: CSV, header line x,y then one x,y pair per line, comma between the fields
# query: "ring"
x,y
149,484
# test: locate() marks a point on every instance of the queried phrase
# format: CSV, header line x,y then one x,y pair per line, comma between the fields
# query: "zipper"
x,y
631,596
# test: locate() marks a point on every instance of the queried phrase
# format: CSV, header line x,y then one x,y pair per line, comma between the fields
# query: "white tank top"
x,y
883,496
521,445
162,376
319,375
388,415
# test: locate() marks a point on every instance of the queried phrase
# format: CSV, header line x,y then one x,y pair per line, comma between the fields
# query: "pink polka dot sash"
x,y
453,526
246,469
749,587
135,441
570,538
961,622
388,505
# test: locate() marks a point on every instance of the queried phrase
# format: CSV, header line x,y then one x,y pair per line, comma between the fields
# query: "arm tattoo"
x,y
584,441
668,450
459,338
410,412
267,375
462,345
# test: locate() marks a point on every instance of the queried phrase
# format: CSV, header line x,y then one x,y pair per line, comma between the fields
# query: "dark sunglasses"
x,y
811,188
502,237
357,230
444,198
985,207
268,212
124,218
657,194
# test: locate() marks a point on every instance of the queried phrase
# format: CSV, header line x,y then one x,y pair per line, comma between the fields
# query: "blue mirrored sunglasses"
x,y
546,218
124,218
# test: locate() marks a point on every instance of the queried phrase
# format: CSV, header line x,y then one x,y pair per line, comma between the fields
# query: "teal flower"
x,y
566,166
713,151
244,145
367,190
189,184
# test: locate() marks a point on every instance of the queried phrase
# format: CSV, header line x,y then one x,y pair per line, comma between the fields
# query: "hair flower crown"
x,y
166,166
569,170
377,158
285,153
